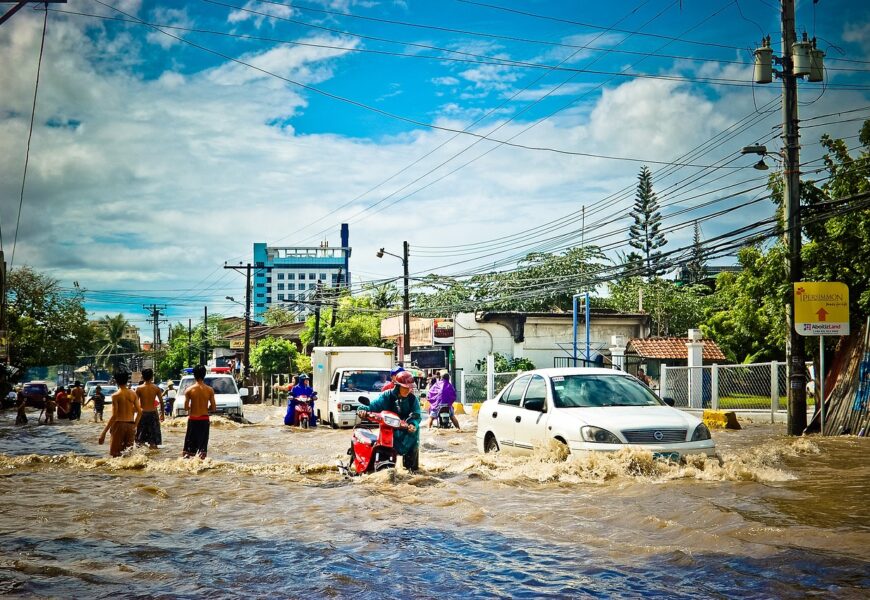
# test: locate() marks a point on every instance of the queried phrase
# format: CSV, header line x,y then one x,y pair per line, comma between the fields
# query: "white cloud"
x,y
447,80
168,16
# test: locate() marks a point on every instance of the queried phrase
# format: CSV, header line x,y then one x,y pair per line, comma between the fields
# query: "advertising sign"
x,y
443,331
821,308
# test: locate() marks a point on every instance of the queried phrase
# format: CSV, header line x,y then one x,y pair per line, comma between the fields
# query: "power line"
x,y
29,138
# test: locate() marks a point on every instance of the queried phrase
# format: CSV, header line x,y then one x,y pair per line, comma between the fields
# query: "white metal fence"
x,y
758,386
473,386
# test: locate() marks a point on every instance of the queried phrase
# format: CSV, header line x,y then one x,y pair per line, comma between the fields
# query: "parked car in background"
x,y
588,410
36,393
93,383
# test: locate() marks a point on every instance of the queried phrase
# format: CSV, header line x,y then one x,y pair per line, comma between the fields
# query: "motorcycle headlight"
x,y
701,433
598,435
393,421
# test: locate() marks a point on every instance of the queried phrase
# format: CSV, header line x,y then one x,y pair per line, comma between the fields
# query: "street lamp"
x,y
406,319
762,151
231,299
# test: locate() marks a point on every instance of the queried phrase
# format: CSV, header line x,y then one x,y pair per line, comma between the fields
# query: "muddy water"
x,y
267,515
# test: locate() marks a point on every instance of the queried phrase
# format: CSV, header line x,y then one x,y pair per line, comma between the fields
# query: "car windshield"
x,y
35,389
107,390
583,391
220,385
364,381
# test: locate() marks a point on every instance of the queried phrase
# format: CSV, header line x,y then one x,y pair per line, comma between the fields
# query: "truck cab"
x,y
343,376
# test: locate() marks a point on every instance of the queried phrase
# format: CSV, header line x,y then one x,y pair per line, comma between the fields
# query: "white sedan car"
x,y
588,410
227,396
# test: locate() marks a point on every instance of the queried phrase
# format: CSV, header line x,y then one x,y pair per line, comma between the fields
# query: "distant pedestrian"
x,y
99,399
50,407
21,418
125,413
61,401
198,403
642,376
442,394
151,401
77,397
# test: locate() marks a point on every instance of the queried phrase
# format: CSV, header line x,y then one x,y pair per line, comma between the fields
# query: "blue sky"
x,y
154,161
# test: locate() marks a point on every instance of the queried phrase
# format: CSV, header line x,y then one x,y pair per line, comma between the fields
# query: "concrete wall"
x,y
544,338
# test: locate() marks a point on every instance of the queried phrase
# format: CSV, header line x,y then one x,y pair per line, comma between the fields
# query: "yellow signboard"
x,y
821,308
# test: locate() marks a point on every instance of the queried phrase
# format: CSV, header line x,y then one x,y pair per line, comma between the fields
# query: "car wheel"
x,y
490,444
332,422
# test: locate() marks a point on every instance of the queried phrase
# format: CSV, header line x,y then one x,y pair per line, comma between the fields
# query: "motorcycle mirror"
x,y
364,401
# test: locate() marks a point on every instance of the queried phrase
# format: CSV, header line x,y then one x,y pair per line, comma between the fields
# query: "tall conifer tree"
x,y
644,234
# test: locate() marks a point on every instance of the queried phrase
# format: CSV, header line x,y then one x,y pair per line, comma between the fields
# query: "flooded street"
x,y
268,515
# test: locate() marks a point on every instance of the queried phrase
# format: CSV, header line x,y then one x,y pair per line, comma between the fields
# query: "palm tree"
x,y
112,343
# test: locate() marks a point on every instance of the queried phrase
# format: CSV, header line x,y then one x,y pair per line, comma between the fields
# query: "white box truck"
x,y
344,374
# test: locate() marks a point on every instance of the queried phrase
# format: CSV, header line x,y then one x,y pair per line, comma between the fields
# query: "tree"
x,y
696,266
174,357
385,295
357,323
114,348
645,234
503,364
673,309
273,355
278,315
47,325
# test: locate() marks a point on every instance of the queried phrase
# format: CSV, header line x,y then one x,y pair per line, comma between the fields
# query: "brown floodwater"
x,y
268,515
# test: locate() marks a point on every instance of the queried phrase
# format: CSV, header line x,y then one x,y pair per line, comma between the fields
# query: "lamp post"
x,y
406,301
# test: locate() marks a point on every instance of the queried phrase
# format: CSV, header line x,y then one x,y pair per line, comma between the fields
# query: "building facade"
x,y
290,277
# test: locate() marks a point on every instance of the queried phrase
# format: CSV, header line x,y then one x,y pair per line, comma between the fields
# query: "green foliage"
x,y
673,309
357,323
273,355
47,325
644,234
114,350
302,364
174,357
537,285
747,318
697,265
278,315
503,364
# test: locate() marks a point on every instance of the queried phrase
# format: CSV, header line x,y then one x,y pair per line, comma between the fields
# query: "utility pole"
x,y
204,360
337,295
797,394
155,320
246,356
317,315
406,351
4,336
189,341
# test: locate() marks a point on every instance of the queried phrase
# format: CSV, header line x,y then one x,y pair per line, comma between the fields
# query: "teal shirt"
x,y
408,409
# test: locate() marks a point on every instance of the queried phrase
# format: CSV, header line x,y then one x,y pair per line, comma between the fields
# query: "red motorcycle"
x,y
302,414
370,451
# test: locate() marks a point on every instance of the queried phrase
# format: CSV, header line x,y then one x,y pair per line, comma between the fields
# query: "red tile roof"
x,y
673,348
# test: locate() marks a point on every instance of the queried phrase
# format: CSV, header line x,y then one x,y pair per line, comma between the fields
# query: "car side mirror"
x,y
363,400
669,401
333,386
535,404
243,392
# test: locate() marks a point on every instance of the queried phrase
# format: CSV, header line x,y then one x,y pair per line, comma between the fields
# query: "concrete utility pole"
x,y
796,358
204,360
246,355
155,320
4,339
317,315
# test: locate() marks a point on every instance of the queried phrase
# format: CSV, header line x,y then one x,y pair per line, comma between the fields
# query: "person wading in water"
x,y
151,400
125,413
198,403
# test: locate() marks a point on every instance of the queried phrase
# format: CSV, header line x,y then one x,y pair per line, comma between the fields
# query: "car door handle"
x,y
494,415
519,418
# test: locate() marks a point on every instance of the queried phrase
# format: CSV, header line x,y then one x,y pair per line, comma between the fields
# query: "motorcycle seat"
x,y
365,435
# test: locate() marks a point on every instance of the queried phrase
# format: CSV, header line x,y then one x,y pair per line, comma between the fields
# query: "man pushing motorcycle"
x,y
402,401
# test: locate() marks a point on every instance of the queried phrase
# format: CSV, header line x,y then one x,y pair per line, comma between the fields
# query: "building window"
x,y
291,286
280,296
291,296
280,286
334,278
268,280
312,276
291,276
323,277
301,276
268,290
280,275
261,295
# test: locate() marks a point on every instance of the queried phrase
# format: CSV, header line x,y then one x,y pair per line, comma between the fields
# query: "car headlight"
x,y
598,435
701,433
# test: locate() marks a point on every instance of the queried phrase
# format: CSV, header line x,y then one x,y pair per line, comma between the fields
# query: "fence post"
x,y
714,386
663,382
774,388
462,387
490,376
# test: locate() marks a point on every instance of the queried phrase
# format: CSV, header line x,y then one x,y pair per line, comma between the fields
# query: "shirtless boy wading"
x,y
125,413
151,400
198,403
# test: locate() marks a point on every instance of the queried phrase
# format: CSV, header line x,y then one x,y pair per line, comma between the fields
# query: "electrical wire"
x,y
29,138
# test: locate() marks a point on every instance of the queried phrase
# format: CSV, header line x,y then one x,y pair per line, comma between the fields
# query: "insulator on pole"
x,y
763,72
817,64
800,53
